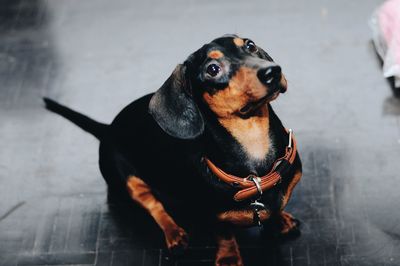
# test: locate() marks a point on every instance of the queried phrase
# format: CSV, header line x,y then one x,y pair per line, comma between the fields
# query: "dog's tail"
x,y
86,123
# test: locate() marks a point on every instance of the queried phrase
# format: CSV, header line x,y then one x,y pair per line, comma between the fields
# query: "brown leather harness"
x,y
252,186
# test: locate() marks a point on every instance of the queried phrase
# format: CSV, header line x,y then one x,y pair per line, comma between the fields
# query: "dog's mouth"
x,y
254,106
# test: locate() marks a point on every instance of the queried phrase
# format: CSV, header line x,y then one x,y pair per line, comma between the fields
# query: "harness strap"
x,y
252,185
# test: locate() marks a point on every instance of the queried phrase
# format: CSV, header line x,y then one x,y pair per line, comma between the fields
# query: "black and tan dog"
x,y
209,138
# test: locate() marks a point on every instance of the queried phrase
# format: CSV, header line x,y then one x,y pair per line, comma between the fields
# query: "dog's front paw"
x,y
289,224
228,254
177,240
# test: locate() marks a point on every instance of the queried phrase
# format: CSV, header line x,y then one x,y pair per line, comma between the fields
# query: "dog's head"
x,y
230,75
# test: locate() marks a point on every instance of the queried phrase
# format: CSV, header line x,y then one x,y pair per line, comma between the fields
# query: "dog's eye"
x,y
213,70
251,46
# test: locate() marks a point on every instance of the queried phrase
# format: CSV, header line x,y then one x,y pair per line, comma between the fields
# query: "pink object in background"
x,y
385,24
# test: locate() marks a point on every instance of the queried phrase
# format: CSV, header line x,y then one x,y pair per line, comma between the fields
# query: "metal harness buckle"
x,y
256,205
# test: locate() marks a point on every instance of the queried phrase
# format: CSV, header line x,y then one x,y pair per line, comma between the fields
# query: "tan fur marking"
x,y
241,217
289,191
243,88
288,222
141,193
283,82
215,54
251,133
238,42
228,252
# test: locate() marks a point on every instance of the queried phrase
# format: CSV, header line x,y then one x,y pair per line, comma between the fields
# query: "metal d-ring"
x,y
256,180
257,207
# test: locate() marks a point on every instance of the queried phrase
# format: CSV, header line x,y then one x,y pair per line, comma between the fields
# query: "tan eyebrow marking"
x,y
239,42
215,54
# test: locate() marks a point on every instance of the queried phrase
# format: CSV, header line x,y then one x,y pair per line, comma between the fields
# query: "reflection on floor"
x,y
98,56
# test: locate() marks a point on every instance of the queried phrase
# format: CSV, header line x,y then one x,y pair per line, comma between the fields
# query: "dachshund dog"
x,y
208,139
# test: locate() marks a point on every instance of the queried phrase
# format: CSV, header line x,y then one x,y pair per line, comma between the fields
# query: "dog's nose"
x,y
270,75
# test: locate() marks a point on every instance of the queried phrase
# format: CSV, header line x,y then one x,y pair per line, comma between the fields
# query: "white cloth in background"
x,y
385,24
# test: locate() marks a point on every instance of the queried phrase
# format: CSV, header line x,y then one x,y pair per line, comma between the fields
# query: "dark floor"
x,y
97,56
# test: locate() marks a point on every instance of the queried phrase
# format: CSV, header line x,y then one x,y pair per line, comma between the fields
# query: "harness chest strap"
x,y
252,185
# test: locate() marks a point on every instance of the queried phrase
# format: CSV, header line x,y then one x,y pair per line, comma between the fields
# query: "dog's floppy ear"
x,y
173,107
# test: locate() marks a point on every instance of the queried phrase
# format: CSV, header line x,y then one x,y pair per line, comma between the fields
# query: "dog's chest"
x,y
252,134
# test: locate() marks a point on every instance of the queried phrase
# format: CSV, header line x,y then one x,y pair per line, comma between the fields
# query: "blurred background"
x,y
98,56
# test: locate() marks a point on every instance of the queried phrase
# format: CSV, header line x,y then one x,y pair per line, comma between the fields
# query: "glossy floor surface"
x,y
97,56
